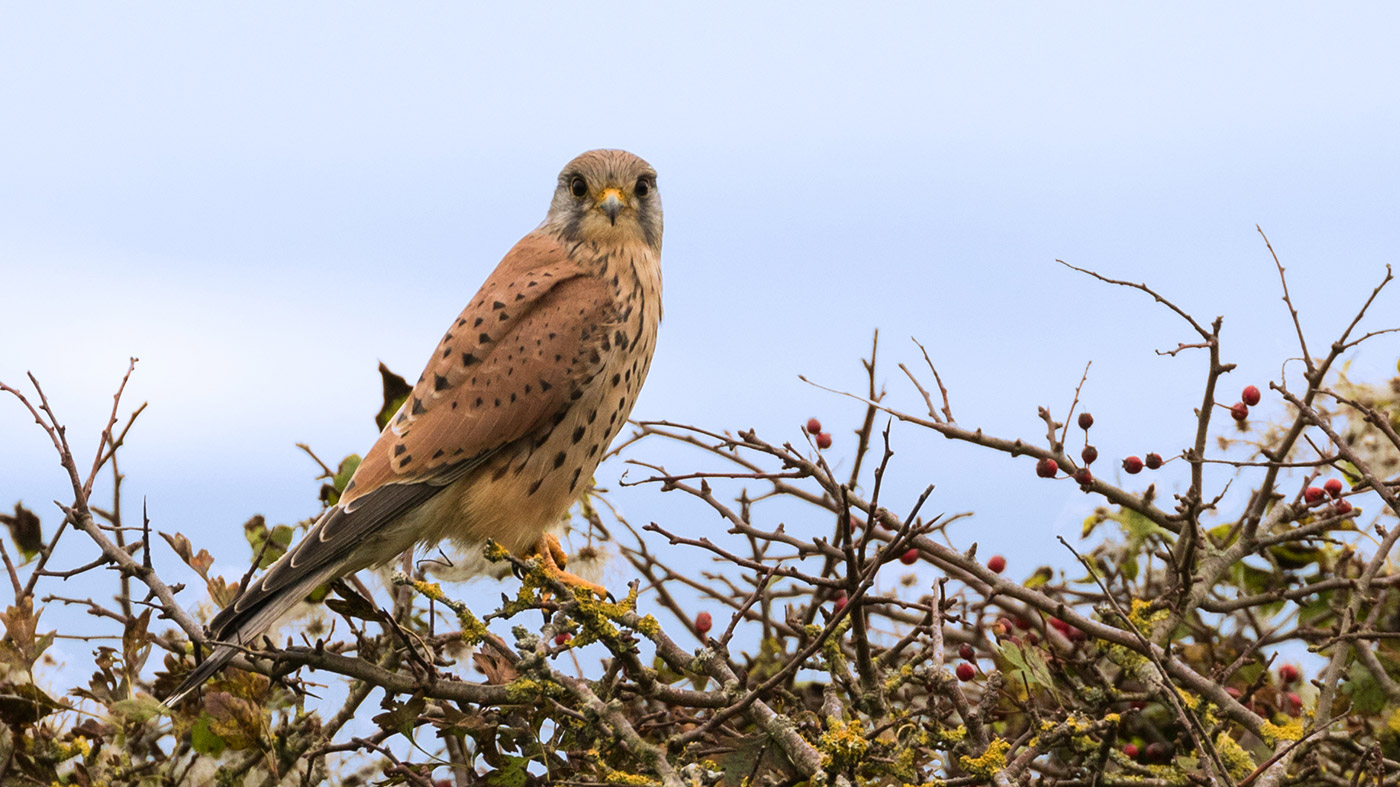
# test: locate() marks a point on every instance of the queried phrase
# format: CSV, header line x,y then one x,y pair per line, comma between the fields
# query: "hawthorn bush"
x,y
1157,663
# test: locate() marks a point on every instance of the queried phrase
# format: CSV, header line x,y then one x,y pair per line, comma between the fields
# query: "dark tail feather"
x,y
216,661
260,609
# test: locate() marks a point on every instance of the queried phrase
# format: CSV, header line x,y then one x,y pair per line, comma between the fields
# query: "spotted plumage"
x,y
516,407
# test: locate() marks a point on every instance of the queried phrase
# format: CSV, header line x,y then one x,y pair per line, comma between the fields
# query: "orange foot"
x,y
552,554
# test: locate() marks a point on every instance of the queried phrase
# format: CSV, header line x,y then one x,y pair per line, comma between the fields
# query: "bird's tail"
x,y
246,619
204,671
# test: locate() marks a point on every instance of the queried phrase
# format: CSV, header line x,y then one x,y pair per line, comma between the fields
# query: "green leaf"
x,y
1292,556
402,718
277,539
396,391
1349,470
204,740
512,775
1041,576
331,493
25,530
25,703
139,709
1129,568
1366,694
1030,661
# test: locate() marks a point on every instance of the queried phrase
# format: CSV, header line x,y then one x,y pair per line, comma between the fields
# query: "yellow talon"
x,y
554,559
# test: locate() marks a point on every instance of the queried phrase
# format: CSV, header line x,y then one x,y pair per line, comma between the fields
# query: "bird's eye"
x,y
578,186
643,187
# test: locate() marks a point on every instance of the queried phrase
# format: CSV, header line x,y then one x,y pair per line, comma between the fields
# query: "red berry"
x,y
1313,495
1077,635
1294,704
911,557
813,426
1250,395
1333,487
839,603
996,564
1153,461
1084,477
1085,420
1022,623
1342,507
1130,751
1047,468
966,672
1059,625
966,653
1233,692
823,440
1288,674
1033,638
1158,752
703,622
1132,465
1089,454
562,638
1239,411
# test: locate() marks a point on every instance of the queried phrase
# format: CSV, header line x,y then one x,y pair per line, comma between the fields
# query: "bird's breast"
x,y
522,491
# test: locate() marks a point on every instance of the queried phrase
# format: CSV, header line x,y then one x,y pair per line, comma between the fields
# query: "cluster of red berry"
x,y
1332,490
814,428
1049,468
1248,398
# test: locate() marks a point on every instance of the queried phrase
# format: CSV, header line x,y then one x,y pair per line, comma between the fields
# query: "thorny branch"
x,y
836,663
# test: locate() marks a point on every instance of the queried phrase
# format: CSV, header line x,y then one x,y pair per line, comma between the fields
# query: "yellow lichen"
x,y
430,589
1131,661
1394,722
1236,760
947,737
597,617
1291,730
831,649
473,630
1188,699
649,627
990,762
899,678
843,744
1142,618
622,777
522,690
66,751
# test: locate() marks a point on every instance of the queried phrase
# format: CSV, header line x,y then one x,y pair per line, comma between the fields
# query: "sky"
x,y
262,202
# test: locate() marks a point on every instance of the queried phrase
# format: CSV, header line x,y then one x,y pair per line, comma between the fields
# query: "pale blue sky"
x,y
262,201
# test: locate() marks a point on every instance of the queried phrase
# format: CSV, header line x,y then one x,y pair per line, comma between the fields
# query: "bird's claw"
x,y
552,555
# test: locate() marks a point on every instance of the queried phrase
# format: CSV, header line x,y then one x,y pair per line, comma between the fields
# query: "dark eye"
x,y
643,187
578,186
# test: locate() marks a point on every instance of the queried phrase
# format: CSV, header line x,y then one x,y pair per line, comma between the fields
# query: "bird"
x,y
517,405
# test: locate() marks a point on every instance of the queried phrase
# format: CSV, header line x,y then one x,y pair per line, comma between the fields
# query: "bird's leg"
x,y
553,557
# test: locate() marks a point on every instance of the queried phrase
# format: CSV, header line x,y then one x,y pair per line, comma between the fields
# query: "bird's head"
x,y
607,196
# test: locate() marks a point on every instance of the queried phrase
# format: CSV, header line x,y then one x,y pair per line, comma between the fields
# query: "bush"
x,y
1156,664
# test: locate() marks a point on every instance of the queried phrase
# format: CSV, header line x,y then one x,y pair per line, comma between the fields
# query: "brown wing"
x,y
511,361
508,364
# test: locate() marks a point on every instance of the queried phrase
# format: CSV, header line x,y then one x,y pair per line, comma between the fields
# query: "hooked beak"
x,y
610,202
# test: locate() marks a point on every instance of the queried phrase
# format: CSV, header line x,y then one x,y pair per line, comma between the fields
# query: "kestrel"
x,y
515,409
